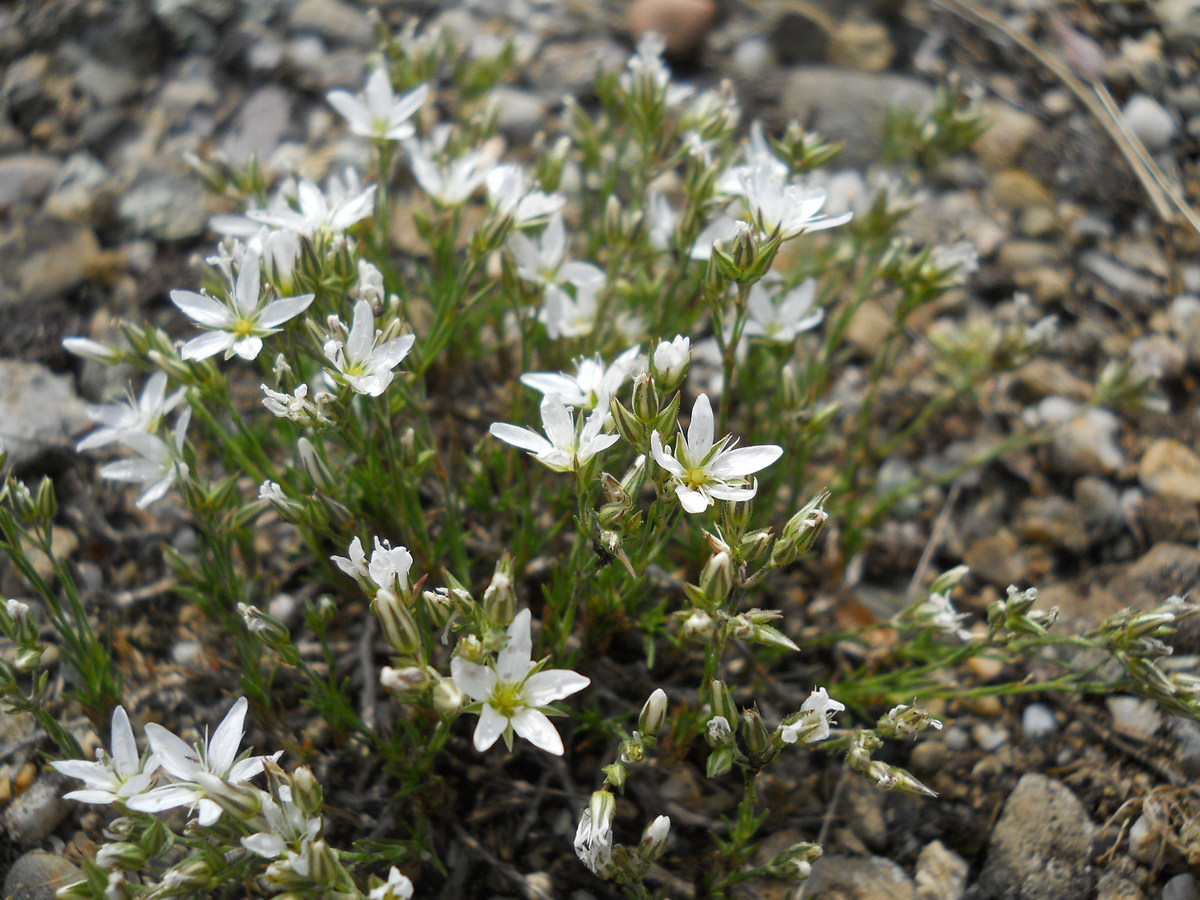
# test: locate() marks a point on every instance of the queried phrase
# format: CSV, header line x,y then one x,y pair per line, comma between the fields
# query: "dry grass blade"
x,y
1169,202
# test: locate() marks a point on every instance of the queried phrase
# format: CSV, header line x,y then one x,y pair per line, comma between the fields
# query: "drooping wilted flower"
x,y
157,464
817,713
141,416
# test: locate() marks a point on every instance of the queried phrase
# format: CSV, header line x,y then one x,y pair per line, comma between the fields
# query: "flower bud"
x,y
24,629
499,599
306,791
398,625
28,659
654,713
263,626
789,388
903,721
722,703
627,424
315,467
448,698
324,862
719,762
735,514
404,682
120,855
615,775
654,839
699,626
47,503
669,363
645,399
716,578
754,732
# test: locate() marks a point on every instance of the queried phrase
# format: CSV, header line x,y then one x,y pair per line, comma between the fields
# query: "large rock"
x,y
38,410
858,878
37,875
1039,848
850,106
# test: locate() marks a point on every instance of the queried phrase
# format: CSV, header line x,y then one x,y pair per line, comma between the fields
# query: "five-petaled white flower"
x,y
361,362
377,113
157,463
818,712
241,322
591,385
565,316
791,209
704,471
344,206
780,319
194,767
512,693
568,446
543,262
115,778
141,416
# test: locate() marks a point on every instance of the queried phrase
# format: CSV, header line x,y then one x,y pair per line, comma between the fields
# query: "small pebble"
x,y
1038,721
988,737
1134,716
683,24
753,57
185,653
1150,121
956,739
1145,842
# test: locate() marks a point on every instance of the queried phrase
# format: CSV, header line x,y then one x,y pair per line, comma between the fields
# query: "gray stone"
x,y
1100,503
569,69
194,23
38,409
24,178
35,813
331,19
1185,735
519,114
263,121
838,877
1052,520
753,57
42,257
105,83
1181,887
167,205
37,875
850,106
1039,847
1119,278
941,873
83,186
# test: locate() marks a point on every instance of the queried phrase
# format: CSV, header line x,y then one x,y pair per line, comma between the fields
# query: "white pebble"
x,y
752,57
1038,721
1134,716
1150,121
1181,887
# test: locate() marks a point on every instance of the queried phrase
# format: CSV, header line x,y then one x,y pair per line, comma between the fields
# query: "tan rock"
x,y
869,327
1169,467
1009,132
861,45
684,24
997,558
1017,190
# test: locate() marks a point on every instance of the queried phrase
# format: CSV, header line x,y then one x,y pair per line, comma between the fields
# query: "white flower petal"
x,y
553,684
476,681
207,345
520,437
744,461
203,309
536,728
490,726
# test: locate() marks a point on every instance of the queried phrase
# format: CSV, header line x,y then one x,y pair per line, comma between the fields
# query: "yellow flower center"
x,y
507,699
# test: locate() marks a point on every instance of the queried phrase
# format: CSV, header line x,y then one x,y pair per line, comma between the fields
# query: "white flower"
x,y
646,67
295,406
284,830
389,565
370,282
569,447
669,361
817,713
780,319
511,194
115,778
565,316
354,565
939,612
720,230
791,209
513,691
543,262
318,214
449,182
241,322
157,464
703,471
195,766
377,113
397,887
272,493
143,416
89,349
361,361
757,153
591,385
594,837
